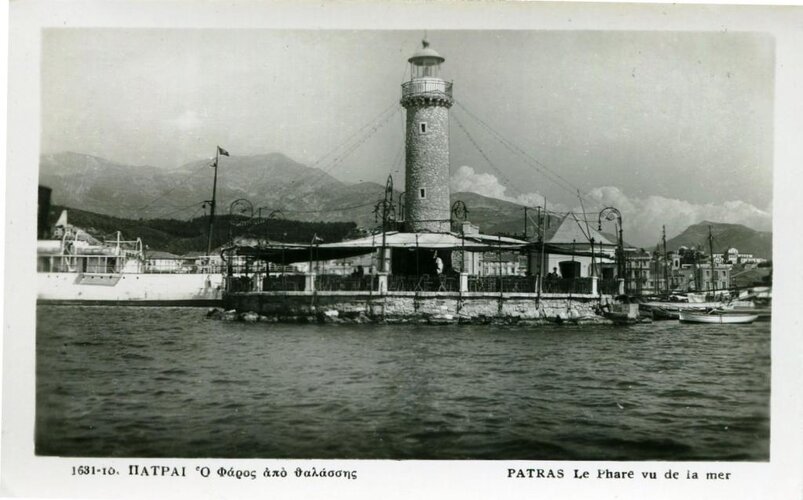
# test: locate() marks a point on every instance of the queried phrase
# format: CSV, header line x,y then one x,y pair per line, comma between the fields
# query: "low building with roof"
x,y
573,249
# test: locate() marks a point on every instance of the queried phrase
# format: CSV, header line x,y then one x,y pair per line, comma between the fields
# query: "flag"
x,y
222,151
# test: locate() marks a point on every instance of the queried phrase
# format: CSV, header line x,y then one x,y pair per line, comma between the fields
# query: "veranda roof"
x,y
437,241
289,253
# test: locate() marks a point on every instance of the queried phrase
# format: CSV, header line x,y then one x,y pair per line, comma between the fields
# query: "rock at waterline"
x,y
249,317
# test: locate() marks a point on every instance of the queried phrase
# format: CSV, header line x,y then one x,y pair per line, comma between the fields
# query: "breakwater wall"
x,y
421,307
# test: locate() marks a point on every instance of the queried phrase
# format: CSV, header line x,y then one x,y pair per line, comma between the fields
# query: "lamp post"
x,y
611,213
275,214
387,211
460,212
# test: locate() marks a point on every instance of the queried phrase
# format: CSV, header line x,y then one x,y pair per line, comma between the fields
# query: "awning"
x,y
289,253
437,241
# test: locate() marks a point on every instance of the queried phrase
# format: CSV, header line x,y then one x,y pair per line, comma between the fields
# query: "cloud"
x,y
643,217
465,179
188,120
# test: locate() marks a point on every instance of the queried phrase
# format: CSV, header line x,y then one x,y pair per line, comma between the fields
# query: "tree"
x,y
691,255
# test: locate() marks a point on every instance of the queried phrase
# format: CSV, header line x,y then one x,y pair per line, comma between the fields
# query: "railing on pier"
x,y
345,283
241,268
568,285
609,287
423,283
507,284
484,283
239,284
283,283
416,283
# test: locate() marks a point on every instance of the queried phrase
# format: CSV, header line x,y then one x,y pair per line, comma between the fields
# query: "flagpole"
x,y
212,210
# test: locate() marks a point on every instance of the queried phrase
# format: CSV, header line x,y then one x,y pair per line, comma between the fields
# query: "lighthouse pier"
x,y
429,258
418,306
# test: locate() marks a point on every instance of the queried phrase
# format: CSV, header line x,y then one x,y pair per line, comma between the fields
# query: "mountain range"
x,y
270,182
275,182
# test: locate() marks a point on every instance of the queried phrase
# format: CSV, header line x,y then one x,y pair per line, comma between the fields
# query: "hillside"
x,y
271,182
275,182
726,236
103,186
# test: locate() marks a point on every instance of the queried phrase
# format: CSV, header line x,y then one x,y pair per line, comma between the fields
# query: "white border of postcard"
x,y
24,474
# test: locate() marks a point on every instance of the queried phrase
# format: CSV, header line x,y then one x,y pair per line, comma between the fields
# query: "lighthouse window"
x,y
422,193
422,127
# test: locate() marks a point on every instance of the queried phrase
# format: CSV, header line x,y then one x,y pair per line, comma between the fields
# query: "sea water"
x,y
167,382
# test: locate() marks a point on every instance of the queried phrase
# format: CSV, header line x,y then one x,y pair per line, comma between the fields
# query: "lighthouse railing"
x,y
426,86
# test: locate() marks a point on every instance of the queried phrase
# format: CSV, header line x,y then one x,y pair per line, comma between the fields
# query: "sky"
x,y
672,128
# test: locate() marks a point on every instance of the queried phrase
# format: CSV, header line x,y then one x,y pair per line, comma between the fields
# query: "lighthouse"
x,y
427,99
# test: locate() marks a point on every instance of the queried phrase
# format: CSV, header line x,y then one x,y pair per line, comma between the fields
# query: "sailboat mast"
x,y
711,253
543,243
212,209
666,270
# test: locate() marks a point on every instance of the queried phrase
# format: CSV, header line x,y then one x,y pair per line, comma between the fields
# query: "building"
x,y
642,273
719,280
697,277
569,251
735,257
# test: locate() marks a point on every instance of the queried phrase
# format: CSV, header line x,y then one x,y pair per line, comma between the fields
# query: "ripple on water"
x,y
166,382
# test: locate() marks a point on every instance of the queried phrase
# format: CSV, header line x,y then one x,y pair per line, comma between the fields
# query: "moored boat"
x,y
717,317
672,310
622,313
77,268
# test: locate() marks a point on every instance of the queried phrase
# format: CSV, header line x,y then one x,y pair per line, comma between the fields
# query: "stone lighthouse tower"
x,y
427,99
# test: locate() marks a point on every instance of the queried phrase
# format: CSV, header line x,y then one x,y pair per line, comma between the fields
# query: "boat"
x,y
717,317
763,313
77,268
667,310
757,300
622,314
659,312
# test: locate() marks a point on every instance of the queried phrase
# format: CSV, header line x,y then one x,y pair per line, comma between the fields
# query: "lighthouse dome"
x,y
426,56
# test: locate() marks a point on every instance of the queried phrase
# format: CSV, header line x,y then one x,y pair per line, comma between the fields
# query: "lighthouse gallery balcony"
x,y
426,86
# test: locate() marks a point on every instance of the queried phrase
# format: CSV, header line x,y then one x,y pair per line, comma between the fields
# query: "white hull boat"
x,y
78,269
717,317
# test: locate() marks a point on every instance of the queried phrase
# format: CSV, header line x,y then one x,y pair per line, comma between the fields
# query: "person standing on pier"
x,y
551,279
438,270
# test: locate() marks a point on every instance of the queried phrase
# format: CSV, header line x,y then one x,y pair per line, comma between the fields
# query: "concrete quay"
x,y
416,307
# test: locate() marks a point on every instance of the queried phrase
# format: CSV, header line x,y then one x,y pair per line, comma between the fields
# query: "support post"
x,y
594,285
309,282
463,282
382,282
621,286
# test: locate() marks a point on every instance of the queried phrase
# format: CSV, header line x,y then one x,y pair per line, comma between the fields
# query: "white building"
x,y
568,250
